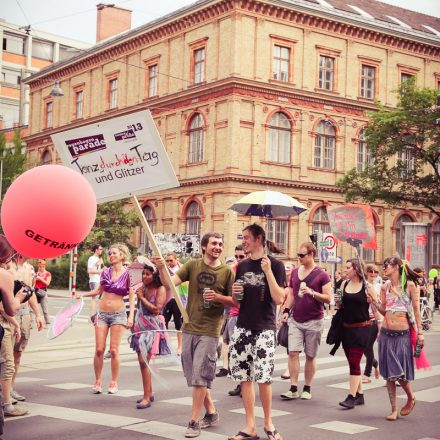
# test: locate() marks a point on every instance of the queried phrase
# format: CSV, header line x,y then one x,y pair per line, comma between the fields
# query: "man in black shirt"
x,y
252,346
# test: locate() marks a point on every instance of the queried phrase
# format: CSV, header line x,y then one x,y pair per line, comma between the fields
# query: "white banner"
x,y
120,157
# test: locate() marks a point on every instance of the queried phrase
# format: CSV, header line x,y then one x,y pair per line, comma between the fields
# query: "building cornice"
x,y
186,18
195,97
258,180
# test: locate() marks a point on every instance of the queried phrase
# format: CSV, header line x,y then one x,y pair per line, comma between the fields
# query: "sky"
x,y
77,19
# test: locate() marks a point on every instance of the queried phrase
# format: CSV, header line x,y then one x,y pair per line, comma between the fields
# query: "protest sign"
x,y
353,224
119,157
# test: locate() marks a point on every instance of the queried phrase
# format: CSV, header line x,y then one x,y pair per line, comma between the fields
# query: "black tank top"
x,y
355,306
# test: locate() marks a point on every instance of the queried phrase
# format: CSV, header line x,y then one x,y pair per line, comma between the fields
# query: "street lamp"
x,y
56,90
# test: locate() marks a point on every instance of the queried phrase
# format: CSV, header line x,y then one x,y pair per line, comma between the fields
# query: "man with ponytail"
x,y
258,289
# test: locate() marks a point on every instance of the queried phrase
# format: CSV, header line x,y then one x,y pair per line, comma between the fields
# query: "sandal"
x,y
405,411
273,435
243,435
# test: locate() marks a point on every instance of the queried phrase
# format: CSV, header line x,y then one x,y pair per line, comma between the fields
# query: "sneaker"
x,y
193,429
359,399
222,372
348,402
13,401
97,388
306,395
17,396
15,411
209,420
236,391
113,388
108,355
289,395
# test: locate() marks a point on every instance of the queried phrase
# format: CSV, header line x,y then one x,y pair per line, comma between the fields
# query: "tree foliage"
x,y
114,223
14,159
404,146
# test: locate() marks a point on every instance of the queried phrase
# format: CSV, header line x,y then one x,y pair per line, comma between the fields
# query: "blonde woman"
x,y
111,315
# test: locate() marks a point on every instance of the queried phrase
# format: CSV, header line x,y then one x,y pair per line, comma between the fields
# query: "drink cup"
x,y
302,286
239,295
206,302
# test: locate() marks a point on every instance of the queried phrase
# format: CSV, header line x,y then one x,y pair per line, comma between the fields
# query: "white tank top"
x,y
395,303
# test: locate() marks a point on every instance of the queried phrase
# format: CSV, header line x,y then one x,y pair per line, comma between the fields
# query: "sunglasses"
x,y
240,257
169,261
387,265
372,271
300,255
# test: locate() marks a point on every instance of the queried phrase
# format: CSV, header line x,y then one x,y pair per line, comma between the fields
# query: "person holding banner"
x,y
149,337
111,315
210,286
356,325
399,303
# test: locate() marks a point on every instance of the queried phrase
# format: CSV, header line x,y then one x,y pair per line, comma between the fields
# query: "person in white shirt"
x,y
95,266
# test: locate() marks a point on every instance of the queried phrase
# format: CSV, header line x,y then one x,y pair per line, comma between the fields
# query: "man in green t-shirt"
x,y
210,285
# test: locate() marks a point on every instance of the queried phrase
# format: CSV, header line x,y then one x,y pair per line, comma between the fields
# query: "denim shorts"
x,y
111,318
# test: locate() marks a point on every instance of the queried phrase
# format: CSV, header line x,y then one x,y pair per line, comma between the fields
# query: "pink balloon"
x,y
47,211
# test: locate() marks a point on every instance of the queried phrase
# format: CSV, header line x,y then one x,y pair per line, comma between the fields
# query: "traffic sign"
x,y
336,260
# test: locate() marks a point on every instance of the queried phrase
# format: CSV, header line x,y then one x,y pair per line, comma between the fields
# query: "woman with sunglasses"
x,y
111,315
149,337
356,327
371,362
399,303
42,280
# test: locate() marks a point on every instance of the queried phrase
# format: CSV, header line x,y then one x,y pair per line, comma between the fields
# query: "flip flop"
x,y
272,435
243,435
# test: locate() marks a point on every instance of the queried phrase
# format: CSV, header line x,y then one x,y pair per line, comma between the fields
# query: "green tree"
x,y
404,146
114,223
14,159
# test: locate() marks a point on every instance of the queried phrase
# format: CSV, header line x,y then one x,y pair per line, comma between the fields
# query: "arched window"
x,y
363,154
278,232
193,217
46,158
325,142
320,221
149,215
400,234
279,138
196,139
436,243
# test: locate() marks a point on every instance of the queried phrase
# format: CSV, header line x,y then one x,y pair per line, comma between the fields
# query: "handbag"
x,y
40,293
335,332
283,335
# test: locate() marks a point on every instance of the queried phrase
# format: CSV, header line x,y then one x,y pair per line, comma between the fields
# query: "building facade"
x,y
25,51
251,95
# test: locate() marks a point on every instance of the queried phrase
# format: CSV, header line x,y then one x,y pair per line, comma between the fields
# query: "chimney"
x,y
111,20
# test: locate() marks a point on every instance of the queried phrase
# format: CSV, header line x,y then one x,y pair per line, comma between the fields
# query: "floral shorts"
x,y
252,355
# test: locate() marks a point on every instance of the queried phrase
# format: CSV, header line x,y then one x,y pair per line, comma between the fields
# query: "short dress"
x,y
154,340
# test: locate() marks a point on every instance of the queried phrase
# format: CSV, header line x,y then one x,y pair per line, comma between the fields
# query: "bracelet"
x,y
419,334
313,294
286,310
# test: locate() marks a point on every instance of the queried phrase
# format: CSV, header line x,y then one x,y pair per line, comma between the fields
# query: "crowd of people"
x,y
243,301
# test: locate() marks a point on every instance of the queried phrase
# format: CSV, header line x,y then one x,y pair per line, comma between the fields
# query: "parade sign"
x,y
120,157
353,224
327,247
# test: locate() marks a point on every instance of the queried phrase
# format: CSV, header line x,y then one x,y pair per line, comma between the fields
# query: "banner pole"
x,y
157,252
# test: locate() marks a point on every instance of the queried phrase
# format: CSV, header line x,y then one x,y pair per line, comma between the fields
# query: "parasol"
x,y
268,204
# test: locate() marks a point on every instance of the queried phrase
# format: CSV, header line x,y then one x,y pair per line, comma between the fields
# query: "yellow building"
x,y
251,95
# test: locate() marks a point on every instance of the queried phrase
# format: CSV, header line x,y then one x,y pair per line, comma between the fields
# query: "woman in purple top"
x,y
114,285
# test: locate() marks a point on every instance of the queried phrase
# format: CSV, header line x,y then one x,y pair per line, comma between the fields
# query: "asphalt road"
x,y
57,376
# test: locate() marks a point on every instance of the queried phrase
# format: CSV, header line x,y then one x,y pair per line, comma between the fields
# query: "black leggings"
x,y
369,351
172,310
